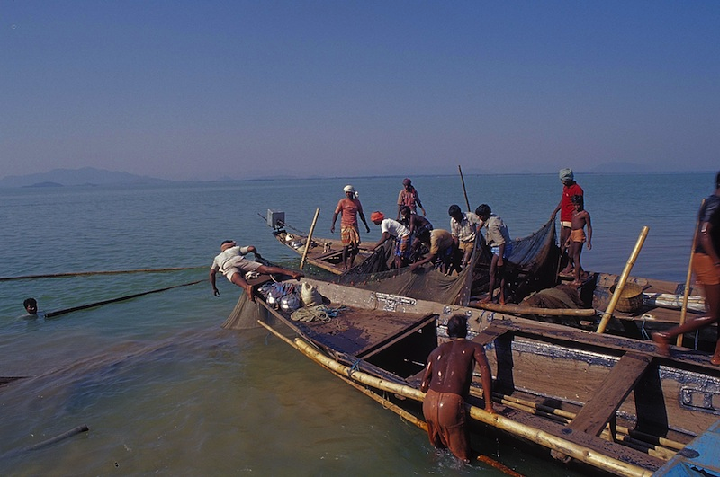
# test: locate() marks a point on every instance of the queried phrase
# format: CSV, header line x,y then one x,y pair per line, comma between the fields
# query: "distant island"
x,y
87,176
45,184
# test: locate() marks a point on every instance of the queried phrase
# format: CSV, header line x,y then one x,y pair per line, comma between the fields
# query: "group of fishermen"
x,y
450,250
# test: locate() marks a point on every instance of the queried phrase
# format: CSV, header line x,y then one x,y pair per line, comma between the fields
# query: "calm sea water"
x,y
164,390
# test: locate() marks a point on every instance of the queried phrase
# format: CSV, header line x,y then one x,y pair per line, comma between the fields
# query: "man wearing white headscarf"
x,y
349,208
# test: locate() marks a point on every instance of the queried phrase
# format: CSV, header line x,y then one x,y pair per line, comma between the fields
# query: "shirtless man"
x,y
232,263
580,219
706,265
349,208
447,380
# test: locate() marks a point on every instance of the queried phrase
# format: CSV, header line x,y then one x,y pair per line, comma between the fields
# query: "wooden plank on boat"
x,y
389,341
491,333
595,414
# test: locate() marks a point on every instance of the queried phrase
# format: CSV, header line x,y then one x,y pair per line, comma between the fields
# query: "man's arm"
x,y
589,231
706,241
485,376
383,239
362,217
419,263
425,384
216,292
332,227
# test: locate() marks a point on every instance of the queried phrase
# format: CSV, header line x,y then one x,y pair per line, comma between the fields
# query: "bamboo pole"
x,y
623,278
394,407
535,310
683,308
309,238
462,179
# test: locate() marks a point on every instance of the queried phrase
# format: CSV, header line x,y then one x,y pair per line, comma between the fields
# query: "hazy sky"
x,y
210,89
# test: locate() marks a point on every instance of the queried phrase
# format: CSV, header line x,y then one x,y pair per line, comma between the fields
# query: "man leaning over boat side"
x,y
447,380
392,229
232,263
706,265
463,227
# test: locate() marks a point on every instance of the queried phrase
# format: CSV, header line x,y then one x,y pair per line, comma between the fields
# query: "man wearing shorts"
x,y
706,265
232,263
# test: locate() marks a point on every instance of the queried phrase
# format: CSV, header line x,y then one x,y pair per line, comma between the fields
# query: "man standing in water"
x,y
232,263
349,208
447,380
706,264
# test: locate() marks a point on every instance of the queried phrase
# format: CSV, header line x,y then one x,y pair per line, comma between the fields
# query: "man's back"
x,y
452,364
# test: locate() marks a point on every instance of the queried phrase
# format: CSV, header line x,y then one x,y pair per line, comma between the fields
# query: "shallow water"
x,y
164,390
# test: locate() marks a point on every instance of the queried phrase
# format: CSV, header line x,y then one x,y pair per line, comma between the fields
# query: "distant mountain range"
x,y
75,177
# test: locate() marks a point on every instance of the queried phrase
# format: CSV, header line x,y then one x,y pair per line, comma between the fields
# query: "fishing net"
x,y
245,315
531,266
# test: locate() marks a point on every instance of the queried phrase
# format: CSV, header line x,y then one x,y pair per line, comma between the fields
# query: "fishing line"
x,y
98,272
114,300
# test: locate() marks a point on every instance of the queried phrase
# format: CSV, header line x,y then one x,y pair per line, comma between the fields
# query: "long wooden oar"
x,y
309,239
113,300
686,293
623,278
462,179
98,272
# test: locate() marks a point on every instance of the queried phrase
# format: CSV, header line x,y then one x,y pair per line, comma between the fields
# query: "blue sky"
x,y
241,89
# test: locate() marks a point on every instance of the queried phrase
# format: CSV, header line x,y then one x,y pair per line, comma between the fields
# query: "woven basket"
x,y
631,298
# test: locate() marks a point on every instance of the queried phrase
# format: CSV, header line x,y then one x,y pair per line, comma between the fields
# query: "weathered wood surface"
x,y
611,393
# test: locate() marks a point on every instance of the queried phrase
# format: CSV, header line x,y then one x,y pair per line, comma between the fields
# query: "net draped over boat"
x,y
532,262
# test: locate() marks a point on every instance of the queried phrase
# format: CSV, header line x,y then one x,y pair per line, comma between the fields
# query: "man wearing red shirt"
x,y
566,207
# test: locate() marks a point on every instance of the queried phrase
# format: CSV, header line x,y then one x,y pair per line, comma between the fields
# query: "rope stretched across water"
x,y
113,300
97,272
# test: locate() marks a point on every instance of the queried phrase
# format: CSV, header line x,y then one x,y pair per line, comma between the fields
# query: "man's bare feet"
x,y
662,341
487,299
297,275
715,360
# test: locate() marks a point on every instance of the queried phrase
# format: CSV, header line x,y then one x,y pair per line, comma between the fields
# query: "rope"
x,y
353,368
45,443
99,272
113,300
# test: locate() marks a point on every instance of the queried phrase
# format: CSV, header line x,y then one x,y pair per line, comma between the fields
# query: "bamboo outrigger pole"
x,y
686,293
309,238
462,179
538,436
623,278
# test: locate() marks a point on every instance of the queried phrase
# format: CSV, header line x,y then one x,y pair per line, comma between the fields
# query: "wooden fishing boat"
x,y
324,253
586,398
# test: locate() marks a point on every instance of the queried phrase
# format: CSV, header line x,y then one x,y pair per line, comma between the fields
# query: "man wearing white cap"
x,y
566,208
349,207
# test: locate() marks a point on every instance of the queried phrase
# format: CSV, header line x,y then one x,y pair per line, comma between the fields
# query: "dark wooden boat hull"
x,y
600,380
